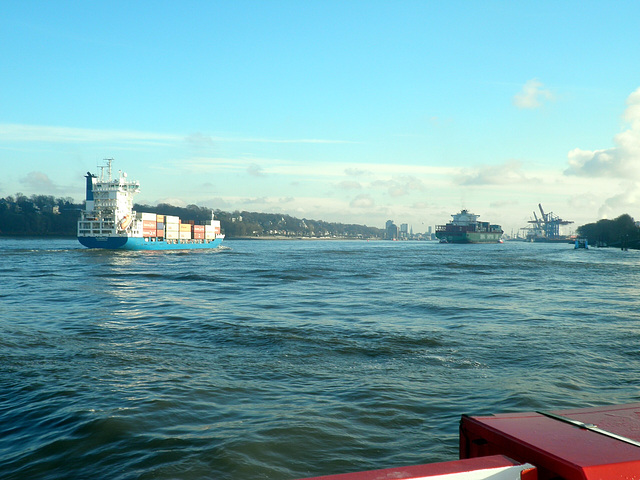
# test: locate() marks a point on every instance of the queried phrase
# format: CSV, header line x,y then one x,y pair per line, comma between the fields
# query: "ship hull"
x,y
469,237
137,243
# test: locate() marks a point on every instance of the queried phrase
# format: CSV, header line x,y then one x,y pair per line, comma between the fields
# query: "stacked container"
x,y
160,225
198,232
171,227
149,224
185,231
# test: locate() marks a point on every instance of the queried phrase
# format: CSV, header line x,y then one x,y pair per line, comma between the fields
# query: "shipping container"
x,y
171,219
198,235
172,235
185,227
149,224
198,228
148,216
160,225
172,227
160,218
185,235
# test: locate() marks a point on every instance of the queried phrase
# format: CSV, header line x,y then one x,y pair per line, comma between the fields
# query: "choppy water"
x,y
285,359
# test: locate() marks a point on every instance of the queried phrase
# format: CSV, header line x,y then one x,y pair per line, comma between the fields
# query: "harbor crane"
x,y
548,225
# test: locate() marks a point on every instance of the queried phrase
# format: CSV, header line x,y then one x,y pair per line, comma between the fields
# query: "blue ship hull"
x,y
137,243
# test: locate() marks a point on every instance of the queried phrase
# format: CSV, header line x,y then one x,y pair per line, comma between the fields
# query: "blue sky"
x,y
343,111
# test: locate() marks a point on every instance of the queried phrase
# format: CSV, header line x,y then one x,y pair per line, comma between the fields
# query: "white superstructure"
x,y
109,205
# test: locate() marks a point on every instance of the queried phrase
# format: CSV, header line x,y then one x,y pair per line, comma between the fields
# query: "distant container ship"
x,y
465,228
109,221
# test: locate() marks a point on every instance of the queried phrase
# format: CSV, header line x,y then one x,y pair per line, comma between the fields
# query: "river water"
x,y
286,359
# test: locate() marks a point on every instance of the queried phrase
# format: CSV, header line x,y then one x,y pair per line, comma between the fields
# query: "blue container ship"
x,y
109,220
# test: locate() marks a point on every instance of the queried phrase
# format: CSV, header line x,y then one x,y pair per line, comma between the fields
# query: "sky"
x,y
344,111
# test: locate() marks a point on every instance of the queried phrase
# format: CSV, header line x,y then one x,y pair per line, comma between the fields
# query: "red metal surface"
x,y
558,448
433,469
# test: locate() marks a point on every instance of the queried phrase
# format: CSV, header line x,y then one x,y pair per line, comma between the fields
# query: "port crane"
x,y
548,225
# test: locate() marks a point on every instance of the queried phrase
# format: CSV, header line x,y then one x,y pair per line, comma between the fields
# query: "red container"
x,y
198,235
148,224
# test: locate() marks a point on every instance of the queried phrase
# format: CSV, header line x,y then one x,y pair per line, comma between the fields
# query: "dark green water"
x,y
285,359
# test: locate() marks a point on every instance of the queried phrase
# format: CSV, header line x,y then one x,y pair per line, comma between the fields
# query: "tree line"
x,y
44,215
621,232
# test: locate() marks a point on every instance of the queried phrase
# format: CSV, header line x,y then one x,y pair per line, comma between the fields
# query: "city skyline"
x,y
353,112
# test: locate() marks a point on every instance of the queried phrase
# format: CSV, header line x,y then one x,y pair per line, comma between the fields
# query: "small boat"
x,y
581,243
598,443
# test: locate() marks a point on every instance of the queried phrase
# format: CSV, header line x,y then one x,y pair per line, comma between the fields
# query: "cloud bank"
x,y
620,161
510,172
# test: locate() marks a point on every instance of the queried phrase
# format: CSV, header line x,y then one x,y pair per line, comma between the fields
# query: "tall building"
x,y
392,230
404,231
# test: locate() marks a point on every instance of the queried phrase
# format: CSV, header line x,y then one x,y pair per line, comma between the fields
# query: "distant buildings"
x,y
391,230
405,232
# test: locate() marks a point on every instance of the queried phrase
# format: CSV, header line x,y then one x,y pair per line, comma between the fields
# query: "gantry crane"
x,y
547,226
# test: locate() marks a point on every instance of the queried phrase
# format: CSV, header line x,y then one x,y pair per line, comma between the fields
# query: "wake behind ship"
x,y
109,221
465,228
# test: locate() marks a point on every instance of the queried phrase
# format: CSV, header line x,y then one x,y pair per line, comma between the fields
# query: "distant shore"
x,y
282,237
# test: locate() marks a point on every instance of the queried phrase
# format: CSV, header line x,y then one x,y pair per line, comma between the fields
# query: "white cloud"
x,y
624,202
40,182
621,161
532,95
38,133
362,201
44,133
397,187
510,172
175,201
356,172
255,170
349,185
273,140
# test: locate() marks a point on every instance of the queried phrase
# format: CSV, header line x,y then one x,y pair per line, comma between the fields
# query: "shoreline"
x,y
282,237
